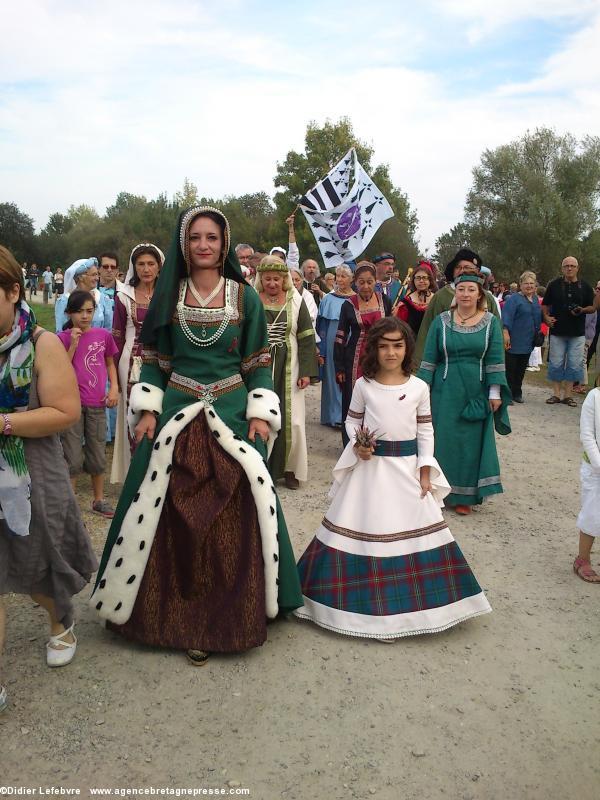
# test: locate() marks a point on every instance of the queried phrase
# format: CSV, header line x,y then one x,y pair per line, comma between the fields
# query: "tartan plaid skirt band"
x,y
386,586
407,447
384,537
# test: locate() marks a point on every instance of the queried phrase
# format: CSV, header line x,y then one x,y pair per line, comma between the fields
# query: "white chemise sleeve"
x,y
356,411
589,432
354,420
426,445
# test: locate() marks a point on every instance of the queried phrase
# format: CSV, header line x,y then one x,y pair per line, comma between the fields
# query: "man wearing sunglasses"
x,y
109,267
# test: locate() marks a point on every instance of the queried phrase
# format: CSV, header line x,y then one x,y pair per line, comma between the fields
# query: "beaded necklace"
x,y
204,340
203,302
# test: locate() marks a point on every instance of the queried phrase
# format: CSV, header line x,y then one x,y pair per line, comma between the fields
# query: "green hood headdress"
x,y
176,268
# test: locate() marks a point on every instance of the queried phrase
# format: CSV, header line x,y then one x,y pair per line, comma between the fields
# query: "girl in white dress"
x,y
588,520
383,563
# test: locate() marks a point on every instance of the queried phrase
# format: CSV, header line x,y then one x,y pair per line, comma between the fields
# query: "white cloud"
x,y
140,97
574,68
484,18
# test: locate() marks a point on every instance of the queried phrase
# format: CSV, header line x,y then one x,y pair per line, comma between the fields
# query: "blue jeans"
x,y
565,359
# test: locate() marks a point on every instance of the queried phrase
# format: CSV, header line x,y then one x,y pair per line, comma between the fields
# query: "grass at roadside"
x,y
44,315
537,378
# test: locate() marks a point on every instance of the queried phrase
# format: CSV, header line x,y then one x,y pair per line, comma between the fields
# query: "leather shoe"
x,y
291,481
198,657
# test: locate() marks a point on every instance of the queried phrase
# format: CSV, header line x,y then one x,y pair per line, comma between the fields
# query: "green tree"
x,y
447,245
252,218
590,254
84,237
533,201
58,225
52,243
323,147
82,215
188,196
17,232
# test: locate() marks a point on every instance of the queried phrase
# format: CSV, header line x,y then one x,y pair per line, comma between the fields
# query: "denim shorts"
x,y
565,359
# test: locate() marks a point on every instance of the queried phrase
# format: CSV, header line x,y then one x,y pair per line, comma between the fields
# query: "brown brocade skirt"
x,y
204,585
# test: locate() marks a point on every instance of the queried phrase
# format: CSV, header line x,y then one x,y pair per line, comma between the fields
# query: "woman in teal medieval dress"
x,y
463,362
198,555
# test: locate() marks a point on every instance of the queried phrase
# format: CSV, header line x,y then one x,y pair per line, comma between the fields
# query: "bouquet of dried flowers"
x,y
363,437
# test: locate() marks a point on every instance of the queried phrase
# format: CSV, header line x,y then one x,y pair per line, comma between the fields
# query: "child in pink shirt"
x,y
92,352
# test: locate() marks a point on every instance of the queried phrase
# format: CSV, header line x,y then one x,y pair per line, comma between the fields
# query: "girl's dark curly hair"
x,y
369,362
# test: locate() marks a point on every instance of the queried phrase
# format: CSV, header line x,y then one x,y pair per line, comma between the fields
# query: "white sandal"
x,y
60,657
3,698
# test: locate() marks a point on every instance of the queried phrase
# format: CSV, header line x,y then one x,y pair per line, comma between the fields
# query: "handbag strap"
x,y
538,328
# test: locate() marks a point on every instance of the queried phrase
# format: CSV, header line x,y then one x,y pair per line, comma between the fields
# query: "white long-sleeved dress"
x,y
383,563
588,520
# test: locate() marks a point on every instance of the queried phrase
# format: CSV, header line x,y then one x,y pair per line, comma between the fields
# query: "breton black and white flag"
x,y
344,211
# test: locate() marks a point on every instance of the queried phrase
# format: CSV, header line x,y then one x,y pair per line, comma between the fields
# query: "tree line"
x,y
531,202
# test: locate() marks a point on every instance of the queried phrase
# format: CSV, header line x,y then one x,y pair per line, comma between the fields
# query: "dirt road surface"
x,y
504,707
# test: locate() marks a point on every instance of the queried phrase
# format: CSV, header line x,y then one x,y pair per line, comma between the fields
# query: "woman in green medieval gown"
x,y
294,356
198,555
464,364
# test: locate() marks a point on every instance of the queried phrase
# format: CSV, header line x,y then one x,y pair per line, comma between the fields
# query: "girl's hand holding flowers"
x,y
364,443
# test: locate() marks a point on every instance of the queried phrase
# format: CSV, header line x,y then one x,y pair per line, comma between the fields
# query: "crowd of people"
x,y
198,362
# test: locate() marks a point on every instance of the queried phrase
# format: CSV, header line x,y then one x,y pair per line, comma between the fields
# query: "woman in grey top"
x,y
45,551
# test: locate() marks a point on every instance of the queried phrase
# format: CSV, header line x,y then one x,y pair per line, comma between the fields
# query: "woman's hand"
x,y
260,427
321,361
145,427
506,336
340,378
290,220
495,405
303,382
364,453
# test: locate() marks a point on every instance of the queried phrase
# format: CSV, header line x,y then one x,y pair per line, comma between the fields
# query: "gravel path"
x,y
503,707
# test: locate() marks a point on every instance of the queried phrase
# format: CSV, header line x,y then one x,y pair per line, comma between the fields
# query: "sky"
x,y
102,97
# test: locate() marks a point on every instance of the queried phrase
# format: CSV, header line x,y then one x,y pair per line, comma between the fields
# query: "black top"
x,y
352,326
560,296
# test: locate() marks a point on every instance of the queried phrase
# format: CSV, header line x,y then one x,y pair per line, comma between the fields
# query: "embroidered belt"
x,y
407,447
207,392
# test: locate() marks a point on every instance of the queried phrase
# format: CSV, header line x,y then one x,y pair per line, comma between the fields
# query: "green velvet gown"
x,y
293,353
441,301
460,364
203,577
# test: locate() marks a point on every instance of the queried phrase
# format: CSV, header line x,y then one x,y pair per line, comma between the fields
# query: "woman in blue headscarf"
x,y
83,274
